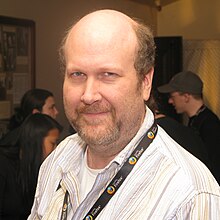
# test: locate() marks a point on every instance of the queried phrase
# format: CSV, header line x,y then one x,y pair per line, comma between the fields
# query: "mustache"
x,y
94,108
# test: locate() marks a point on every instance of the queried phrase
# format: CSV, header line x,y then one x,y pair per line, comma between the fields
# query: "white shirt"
x,y
87,177
166,183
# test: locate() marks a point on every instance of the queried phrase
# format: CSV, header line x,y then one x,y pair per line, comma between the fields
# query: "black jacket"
x,y
207,125
12,206
185,137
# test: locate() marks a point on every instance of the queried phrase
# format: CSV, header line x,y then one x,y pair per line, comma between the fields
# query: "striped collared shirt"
x,y
166,183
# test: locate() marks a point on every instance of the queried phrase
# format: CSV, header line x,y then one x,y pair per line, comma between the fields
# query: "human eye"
x,y
52,107
53,145
109,76
77,76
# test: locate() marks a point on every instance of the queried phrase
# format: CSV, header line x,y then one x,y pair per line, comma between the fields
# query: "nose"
x,y
56,111
91,92
170,100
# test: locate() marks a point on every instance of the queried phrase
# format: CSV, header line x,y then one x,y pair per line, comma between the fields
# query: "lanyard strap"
x,y
118,179
65,206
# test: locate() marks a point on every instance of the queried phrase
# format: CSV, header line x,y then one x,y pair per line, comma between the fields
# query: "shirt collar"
x,y
147,123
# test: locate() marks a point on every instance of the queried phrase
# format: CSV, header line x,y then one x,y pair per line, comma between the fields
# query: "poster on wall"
x,y
17,63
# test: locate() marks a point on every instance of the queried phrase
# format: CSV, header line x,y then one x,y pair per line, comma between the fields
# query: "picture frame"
x,y
17,64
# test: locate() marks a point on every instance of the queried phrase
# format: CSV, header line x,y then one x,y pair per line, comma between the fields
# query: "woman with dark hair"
x,y
20,163
33,101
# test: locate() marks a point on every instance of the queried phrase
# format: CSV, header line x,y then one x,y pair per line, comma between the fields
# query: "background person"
x,y
186,95
183,135
109,60
38,137
33,101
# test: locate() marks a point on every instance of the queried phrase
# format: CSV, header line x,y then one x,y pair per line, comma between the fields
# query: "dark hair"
x,y
32,99
32,133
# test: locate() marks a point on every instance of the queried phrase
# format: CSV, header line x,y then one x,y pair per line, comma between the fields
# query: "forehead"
x,y
102,31
175,95
53,133
49,101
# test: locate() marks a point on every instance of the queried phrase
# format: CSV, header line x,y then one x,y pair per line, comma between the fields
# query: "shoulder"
x,y
172,172
65,158
10,138
194,172
209,115
64,153
205,121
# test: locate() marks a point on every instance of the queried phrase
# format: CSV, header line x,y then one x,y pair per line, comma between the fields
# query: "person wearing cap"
x,y
183,135
186,95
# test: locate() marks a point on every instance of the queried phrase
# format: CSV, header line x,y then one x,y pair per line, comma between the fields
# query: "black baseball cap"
x,y
186,81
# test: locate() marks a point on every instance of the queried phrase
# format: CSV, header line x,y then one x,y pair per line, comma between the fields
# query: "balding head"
x,y
106,29
101,81
104,19
105,26
102,30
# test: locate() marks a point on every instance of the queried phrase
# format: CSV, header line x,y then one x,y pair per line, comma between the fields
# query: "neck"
x,y
159,115
98,157
194,107
97,160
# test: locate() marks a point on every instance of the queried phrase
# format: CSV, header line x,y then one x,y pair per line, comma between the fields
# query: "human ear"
x,y
186,97
35,111
147,84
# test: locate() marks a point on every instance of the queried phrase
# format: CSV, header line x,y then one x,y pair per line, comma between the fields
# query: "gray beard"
x,y
110,136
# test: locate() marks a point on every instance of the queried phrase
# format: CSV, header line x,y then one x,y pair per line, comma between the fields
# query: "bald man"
x,y
120,164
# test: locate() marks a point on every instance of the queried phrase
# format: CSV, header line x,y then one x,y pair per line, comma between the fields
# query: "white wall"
x,y
192,19
52,18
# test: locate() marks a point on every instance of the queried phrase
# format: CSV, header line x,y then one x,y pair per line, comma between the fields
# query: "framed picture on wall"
x,y
17,63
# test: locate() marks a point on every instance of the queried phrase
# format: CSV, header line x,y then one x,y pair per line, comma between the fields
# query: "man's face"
x,y
49,108
101,95
178,100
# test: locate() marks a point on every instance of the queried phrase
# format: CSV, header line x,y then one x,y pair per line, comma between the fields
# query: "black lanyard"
x,y
117,180
65,207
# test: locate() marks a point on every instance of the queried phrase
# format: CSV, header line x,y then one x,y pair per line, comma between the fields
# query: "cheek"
x,y
47,151
44,110
48,147
71,95
124,98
